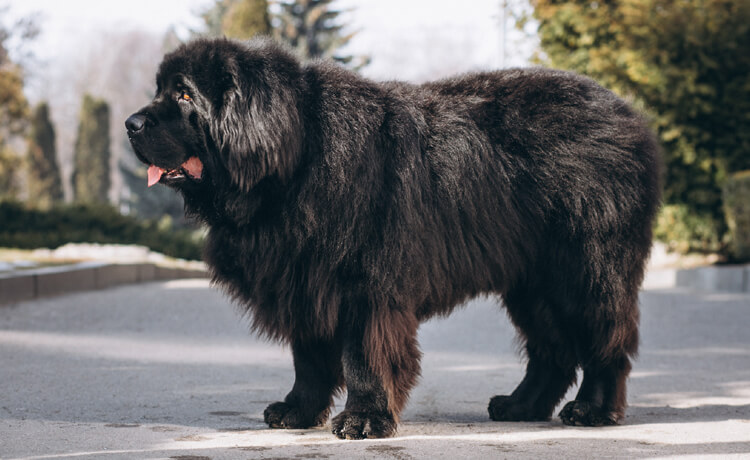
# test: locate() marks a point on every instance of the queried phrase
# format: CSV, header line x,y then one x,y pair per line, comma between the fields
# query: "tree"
x,y
684,61
44,180
14,108
13,113
310,27
9,169
241,19
91,174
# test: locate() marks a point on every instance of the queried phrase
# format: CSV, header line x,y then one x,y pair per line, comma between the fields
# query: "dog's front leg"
x,y
381,365
317,368
366,413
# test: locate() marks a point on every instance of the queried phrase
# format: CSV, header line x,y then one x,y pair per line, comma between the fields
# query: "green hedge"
x,y
27,228
684,231
736,196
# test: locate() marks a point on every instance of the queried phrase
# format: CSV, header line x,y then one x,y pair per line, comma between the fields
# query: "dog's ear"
x,y
257,125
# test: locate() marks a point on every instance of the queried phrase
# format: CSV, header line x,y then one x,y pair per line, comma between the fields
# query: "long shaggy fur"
x,y
343,212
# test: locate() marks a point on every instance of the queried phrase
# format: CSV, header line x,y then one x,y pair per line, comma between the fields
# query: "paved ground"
x,y
167,370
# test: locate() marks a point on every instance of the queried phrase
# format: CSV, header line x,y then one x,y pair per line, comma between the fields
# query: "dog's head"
x,y
224,112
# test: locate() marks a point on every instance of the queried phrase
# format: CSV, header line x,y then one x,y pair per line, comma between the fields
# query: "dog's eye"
x,y
185,96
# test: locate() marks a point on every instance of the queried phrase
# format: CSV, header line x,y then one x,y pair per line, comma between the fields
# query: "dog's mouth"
x,y
192,168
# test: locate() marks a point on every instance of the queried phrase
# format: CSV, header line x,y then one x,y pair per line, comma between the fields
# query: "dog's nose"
x,y
135,123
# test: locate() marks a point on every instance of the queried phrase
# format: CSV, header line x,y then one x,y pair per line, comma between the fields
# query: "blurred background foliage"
x,y
685,63
311,27
91,154
240,19
27,227
43,176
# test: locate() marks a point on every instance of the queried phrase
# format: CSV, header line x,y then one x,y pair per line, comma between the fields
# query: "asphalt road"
x,y
168,370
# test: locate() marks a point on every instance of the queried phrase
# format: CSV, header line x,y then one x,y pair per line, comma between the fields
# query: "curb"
x,y
85,276
51,281
727,278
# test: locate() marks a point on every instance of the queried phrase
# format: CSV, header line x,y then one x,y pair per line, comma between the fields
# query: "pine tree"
x,y
240,19
45,186
91,181
310,27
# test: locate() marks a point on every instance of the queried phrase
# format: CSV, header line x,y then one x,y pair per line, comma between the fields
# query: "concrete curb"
x,y
45,282
50,281
718,278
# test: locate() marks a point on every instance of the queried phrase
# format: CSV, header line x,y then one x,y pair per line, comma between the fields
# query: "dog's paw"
x,y
508,409
361,425
583,413
284,415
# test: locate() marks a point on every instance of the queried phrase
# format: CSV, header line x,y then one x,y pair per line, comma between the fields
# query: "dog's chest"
x,y
284,290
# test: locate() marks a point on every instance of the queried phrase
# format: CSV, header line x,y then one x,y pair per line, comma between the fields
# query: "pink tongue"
x,y
194,167
154,174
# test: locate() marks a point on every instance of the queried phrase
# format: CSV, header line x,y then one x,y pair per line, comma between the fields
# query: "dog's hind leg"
x,y
318,375
551,361
601,400
602,397
606,328
381,365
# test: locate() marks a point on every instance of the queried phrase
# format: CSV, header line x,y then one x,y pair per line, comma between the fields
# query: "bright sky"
x,y
65,23
406,39
79,15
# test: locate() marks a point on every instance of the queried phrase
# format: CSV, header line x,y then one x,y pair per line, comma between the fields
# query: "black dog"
x,y
343,212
